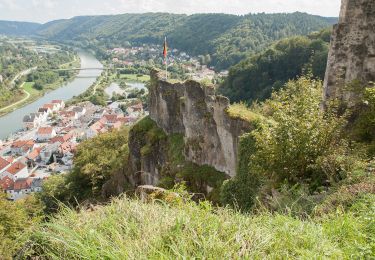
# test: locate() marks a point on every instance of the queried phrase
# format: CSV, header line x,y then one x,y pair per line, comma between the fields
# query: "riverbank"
x,y
32,94
12,122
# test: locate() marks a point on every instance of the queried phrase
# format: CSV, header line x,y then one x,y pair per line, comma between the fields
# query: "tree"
x,y
289,147
96,161
17,219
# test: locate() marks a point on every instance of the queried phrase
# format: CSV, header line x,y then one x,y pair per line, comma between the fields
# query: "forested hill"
x,y
255,78
227,38
18,28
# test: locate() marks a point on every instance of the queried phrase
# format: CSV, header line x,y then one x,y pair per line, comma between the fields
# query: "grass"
x,y
131,229
135,77
241,111
29,87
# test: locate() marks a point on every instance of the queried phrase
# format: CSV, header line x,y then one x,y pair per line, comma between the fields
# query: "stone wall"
x,y
211,136
352,54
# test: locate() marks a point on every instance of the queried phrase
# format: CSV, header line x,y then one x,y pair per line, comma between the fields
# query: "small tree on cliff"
x,y
291,148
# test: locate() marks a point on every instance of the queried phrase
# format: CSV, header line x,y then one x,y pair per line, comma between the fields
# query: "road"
x,y
18,102
22,73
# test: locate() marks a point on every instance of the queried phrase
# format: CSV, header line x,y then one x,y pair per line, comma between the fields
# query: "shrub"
x,y
241,191
287,150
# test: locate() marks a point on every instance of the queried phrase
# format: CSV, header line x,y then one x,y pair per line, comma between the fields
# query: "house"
x,y
99,114
45,133
109,120
95,129
67,148
33,156
32,120
72,115
79,110
23,187
4,164
45,110
52,107
6,183
61,138
49,151
22,147
60,104
15,171
135,110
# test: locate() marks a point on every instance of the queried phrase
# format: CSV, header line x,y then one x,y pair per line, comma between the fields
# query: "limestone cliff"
x,y
209,135
352,53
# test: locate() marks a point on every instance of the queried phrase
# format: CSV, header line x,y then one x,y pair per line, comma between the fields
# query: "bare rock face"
x,y
211,136
352,53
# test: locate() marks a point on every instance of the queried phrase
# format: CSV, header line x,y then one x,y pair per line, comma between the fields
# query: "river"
x,y
12,122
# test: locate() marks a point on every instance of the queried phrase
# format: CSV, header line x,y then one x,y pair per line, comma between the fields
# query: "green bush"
x,y
241,191
291,147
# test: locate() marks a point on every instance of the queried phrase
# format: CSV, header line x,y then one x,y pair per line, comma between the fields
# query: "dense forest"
x,y
254,78
18,28
227,38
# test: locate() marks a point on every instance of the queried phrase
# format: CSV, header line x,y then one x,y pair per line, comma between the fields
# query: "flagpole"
x,y
166,61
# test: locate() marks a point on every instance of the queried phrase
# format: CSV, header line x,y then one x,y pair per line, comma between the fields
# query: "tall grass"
x,y
130,229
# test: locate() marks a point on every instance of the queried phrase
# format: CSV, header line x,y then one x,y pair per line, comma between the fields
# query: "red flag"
x,y
165,51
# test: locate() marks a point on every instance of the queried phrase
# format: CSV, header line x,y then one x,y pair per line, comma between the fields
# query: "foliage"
x,y
227,38
18,28
362,129
256,77
241,111
96,162
292,148
17,221
241,191
128,229
93,167
54,191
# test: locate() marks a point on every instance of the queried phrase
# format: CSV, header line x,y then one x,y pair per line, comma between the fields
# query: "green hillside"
x,y
227,38
18,28
254,78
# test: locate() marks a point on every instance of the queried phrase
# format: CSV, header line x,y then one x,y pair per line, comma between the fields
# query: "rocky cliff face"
x,y
210,134
193,112
352,53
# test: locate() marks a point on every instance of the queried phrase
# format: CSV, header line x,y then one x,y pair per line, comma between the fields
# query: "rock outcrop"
x,y
211,136
352,54
197,120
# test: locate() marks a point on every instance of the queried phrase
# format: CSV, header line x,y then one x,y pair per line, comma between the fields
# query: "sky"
x,y
47,10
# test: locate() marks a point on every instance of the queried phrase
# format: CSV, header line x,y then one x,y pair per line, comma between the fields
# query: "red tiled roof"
x,y
97,126
6,183
21,184
67,113
67,147
15,168
61,139
34,154
3,163
57,101
45,130
108,119
23,143
50,106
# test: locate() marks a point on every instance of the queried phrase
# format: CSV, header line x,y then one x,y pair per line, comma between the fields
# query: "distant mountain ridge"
x,y
227,38
13,28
